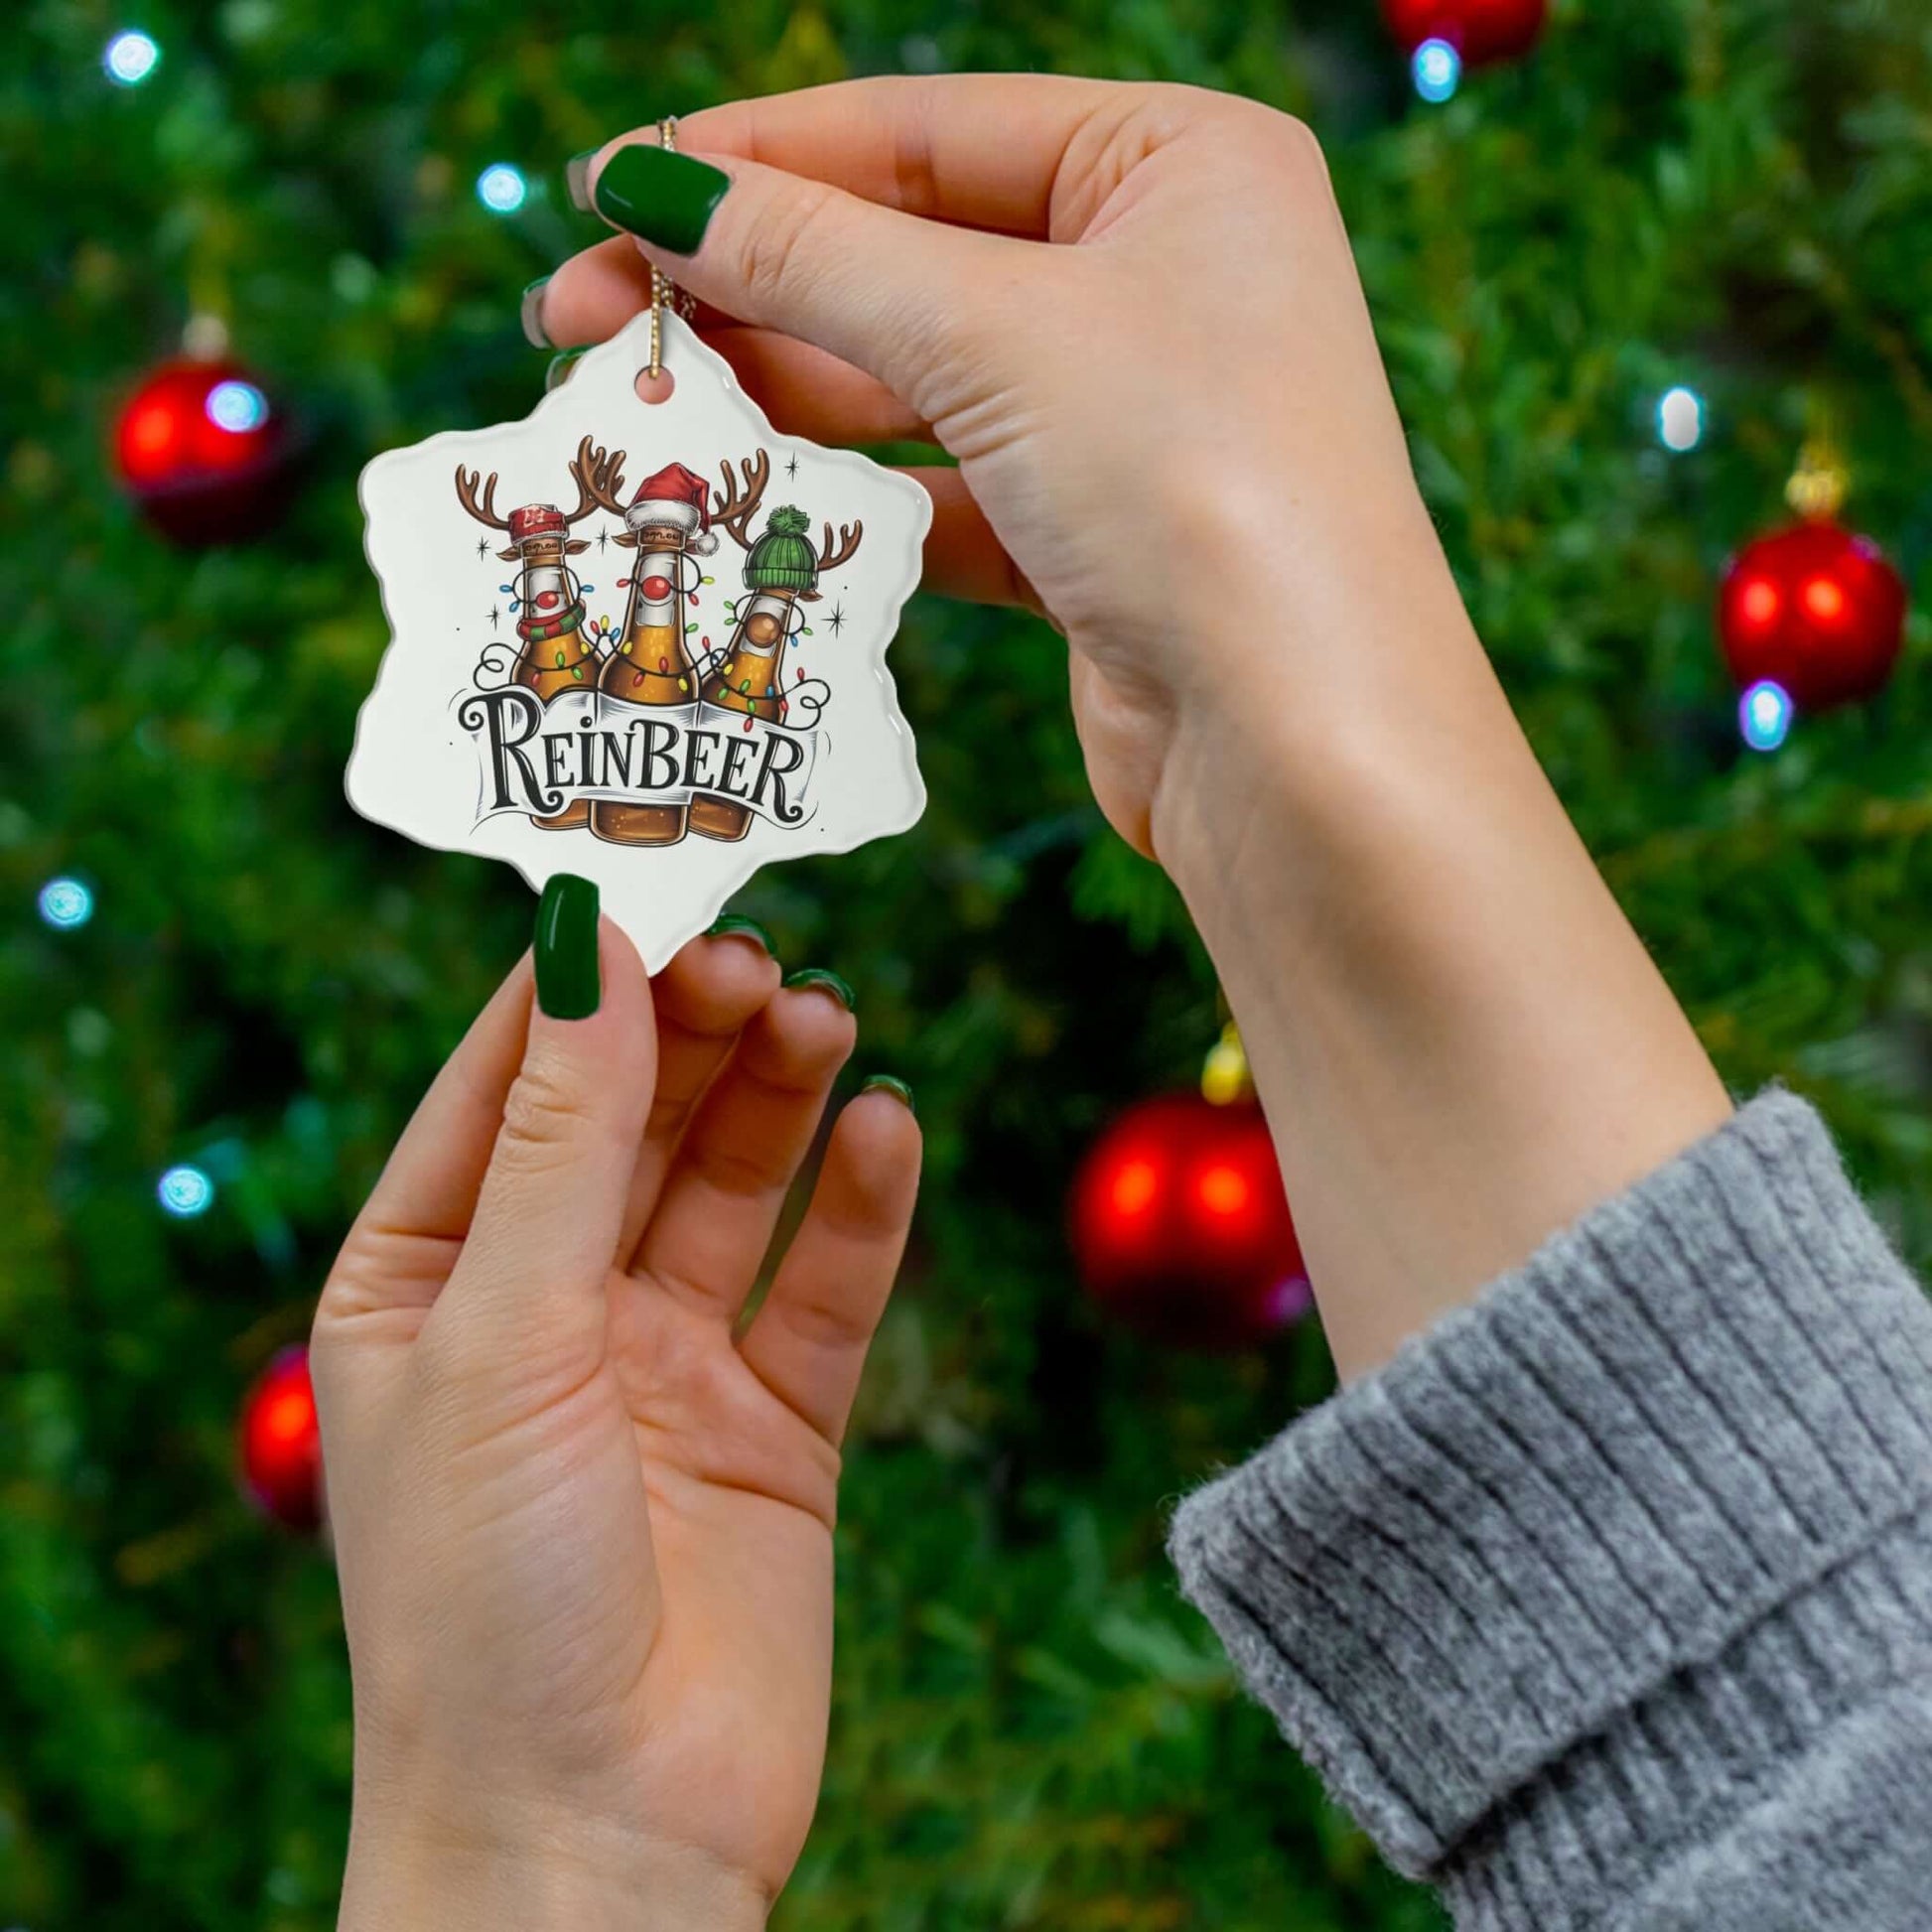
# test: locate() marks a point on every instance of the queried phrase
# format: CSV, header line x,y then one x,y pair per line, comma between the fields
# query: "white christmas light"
x,y
236,406
501,189
1680,419
1438,71
66,903
130,57
1764,716
185,1191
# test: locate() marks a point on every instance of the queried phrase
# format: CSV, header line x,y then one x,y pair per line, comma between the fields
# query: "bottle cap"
x,y
536,520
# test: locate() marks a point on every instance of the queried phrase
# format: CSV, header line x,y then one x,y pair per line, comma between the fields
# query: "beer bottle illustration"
x,y
556,654
781,570
668,524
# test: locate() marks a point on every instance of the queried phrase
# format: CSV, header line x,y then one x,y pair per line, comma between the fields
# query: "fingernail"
x,y
566,948
577,180
823,977
560,369
892,1084
665,197
735,924
530,310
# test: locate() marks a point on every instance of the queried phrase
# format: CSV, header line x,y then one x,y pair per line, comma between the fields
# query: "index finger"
x,y
979,150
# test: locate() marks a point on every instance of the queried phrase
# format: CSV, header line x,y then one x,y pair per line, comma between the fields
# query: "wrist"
x,y
1327,650
1334,728
556,1875
1462,1044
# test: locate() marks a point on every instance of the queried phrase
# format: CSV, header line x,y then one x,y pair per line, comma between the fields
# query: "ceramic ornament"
x,y
644,642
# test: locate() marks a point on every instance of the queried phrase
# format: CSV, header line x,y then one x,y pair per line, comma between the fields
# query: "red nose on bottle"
x,y
657,588
548,599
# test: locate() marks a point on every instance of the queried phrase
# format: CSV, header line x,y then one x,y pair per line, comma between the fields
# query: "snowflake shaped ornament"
x,y
701,721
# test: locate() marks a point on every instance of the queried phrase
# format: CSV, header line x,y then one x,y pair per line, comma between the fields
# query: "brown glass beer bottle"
x,y
555,653
748,682
668,522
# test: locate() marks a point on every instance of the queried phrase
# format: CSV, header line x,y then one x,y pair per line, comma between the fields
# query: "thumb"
x,y
544,1236
890,293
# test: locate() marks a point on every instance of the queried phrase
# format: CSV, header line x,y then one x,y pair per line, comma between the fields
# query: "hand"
x,y
1133,314
1144,417
585,1534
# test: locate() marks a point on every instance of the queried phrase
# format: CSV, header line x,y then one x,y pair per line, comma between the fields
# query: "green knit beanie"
x,y
783,558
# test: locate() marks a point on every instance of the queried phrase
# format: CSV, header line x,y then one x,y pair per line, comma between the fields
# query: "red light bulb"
x,y
204,452
1816,608
1480,31
280,1442
1181,1227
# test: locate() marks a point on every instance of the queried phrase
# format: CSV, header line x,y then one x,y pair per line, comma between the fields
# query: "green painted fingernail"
x,y
732,924
566,948
892,1084
530,313
576,179
663,197
560,369
821,976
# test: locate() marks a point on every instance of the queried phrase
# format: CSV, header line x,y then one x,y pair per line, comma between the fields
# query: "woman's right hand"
x,y
1182,400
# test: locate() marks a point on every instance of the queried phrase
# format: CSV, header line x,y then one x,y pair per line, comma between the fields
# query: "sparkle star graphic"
x,y
495,617
791,465
483,546
603,537
836,621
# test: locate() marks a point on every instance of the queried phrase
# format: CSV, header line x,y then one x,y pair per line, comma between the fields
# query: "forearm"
x,y
1461,1043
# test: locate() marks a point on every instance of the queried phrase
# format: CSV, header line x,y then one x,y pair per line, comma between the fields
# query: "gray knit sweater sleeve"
x,y
1607,1604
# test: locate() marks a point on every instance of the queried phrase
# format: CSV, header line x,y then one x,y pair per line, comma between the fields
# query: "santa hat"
x,y
678,498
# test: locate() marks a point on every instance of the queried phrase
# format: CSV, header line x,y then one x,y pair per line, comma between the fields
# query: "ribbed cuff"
x,y
1512,1575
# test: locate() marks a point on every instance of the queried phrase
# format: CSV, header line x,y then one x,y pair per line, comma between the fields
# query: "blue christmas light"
x,y
1764,716
501,189
185,1191
130,57
1438,71
236,406
1680,419
66,903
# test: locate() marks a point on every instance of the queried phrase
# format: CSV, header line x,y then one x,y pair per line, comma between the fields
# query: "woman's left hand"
x,y
585,1526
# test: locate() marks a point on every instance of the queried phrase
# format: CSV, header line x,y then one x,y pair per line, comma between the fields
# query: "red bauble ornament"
x,y
1816,609
281,1446
1480,31
1181,1225
204,452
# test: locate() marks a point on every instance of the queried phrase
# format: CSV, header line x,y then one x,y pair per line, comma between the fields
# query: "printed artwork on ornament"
x,y
677,679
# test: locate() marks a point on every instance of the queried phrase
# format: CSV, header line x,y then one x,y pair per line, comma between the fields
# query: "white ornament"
x,y
667,734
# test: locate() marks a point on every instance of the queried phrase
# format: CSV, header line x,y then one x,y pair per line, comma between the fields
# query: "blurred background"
x,y
1634,266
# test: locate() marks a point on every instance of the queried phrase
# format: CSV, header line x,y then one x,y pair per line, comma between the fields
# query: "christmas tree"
x,y
1619,282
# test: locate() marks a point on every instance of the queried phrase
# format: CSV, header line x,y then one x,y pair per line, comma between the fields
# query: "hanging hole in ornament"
x,y
655,388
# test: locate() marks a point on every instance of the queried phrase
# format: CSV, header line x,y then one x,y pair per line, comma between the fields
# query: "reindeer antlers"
x,y
599,477
736,512
849,535
466,494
